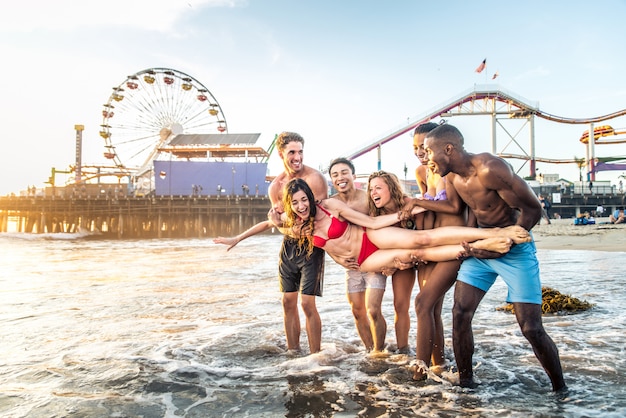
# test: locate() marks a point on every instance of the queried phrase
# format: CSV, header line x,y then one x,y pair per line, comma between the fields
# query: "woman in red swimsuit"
x,y
375,244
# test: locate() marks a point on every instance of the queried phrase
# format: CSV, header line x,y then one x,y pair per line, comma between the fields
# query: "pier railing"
x,y
133,217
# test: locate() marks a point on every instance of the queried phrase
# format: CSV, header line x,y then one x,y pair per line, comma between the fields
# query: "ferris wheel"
x,y
150,106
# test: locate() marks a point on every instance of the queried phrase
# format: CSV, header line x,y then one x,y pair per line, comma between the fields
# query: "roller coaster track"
x,y
486,100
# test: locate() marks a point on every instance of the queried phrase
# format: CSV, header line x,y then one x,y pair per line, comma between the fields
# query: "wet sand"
x,y
562,234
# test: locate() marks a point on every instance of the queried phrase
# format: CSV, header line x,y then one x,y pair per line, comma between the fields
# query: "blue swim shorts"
x,y
519,269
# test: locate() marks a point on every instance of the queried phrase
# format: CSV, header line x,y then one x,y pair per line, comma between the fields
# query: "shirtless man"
x,y
297,272
499,198
365,291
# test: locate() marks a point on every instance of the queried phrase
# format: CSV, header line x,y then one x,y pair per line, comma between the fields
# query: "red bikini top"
x,y
336,229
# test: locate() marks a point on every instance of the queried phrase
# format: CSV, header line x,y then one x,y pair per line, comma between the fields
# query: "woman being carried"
x,y
375,244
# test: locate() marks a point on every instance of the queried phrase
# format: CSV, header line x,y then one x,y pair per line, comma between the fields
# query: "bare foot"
x,y
421,371
517,233
499,245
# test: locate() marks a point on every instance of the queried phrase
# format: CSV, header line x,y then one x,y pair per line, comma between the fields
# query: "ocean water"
x,y
182,328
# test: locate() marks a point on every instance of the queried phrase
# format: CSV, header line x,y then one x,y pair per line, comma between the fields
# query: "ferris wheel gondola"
x,y
147,108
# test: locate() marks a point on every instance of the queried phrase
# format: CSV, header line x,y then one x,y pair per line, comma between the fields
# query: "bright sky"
x,y
341,73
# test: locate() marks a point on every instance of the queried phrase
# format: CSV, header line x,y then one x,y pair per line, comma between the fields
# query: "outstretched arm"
x,y
232,241
340,209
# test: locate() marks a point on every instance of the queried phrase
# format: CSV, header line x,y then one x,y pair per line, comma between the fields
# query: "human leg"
x,y
389,258
289,281
402,282
392,237
291,319
355,292
441,253
466,300
312,269
378,325
529,319
428,304
361,320
313,323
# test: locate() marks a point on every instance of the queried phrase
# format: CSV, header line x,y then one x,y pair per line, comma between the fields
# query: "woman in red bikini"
x,y
349,235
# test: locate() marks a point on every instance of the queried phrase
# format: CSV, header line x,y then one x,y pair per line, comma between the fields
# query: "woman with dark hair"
x,y
348,234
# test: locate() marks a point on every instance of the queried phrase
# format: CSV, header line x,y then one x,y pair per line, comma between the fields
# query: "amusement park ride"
x,y
141,119
499,104
164,114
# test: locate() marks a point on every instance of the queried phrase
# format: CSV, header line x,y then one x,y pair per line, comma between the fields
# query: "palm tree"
x,y
580,162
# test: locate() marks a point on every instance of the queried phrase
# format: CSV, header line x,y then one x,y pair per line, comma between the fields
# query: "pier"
x,y
134,217
194,216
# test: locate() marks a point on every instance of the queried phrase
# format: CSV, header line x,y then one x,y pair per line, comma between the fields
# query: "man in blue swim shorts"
x,y
519,268
498,198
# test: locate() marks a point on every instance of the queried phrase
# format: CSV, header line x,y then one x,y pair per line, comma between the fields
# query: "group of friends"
x,y
470,225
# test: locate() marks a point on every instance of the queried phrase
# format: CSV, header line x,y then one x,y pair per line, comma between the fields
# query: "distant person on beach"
x,y
617,217
365,290
599,211
434,279
498,198
545,209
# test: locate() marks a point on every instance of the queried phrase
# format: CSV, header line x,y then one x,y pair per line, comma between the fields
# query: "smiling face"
x,y
342,177
437,156
379,192
418,148
292,156
301,205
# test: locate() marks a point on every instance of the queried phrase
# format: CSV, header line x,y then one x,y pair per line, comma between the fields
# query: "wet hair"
x,y
286,137
290,189
341,160
447,134
425,128
397,195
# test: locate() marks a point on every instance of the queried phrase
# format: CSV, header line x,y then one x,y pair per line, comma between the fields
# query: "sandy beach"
x,y
562,234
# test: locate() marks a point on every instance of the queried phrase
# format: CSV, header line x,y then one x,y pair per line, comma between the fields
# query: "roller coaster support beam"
x,y
533,160
591,154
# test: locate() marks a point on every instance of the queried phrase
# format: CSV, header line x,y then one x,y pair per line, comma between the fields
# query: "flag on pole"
x,y
495,75
482,66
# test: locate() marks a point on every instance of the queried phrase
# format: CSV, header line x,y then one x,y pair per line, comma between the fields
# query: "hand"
x,y
230,241
402,265
274,217
388,271
351,264
407,210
